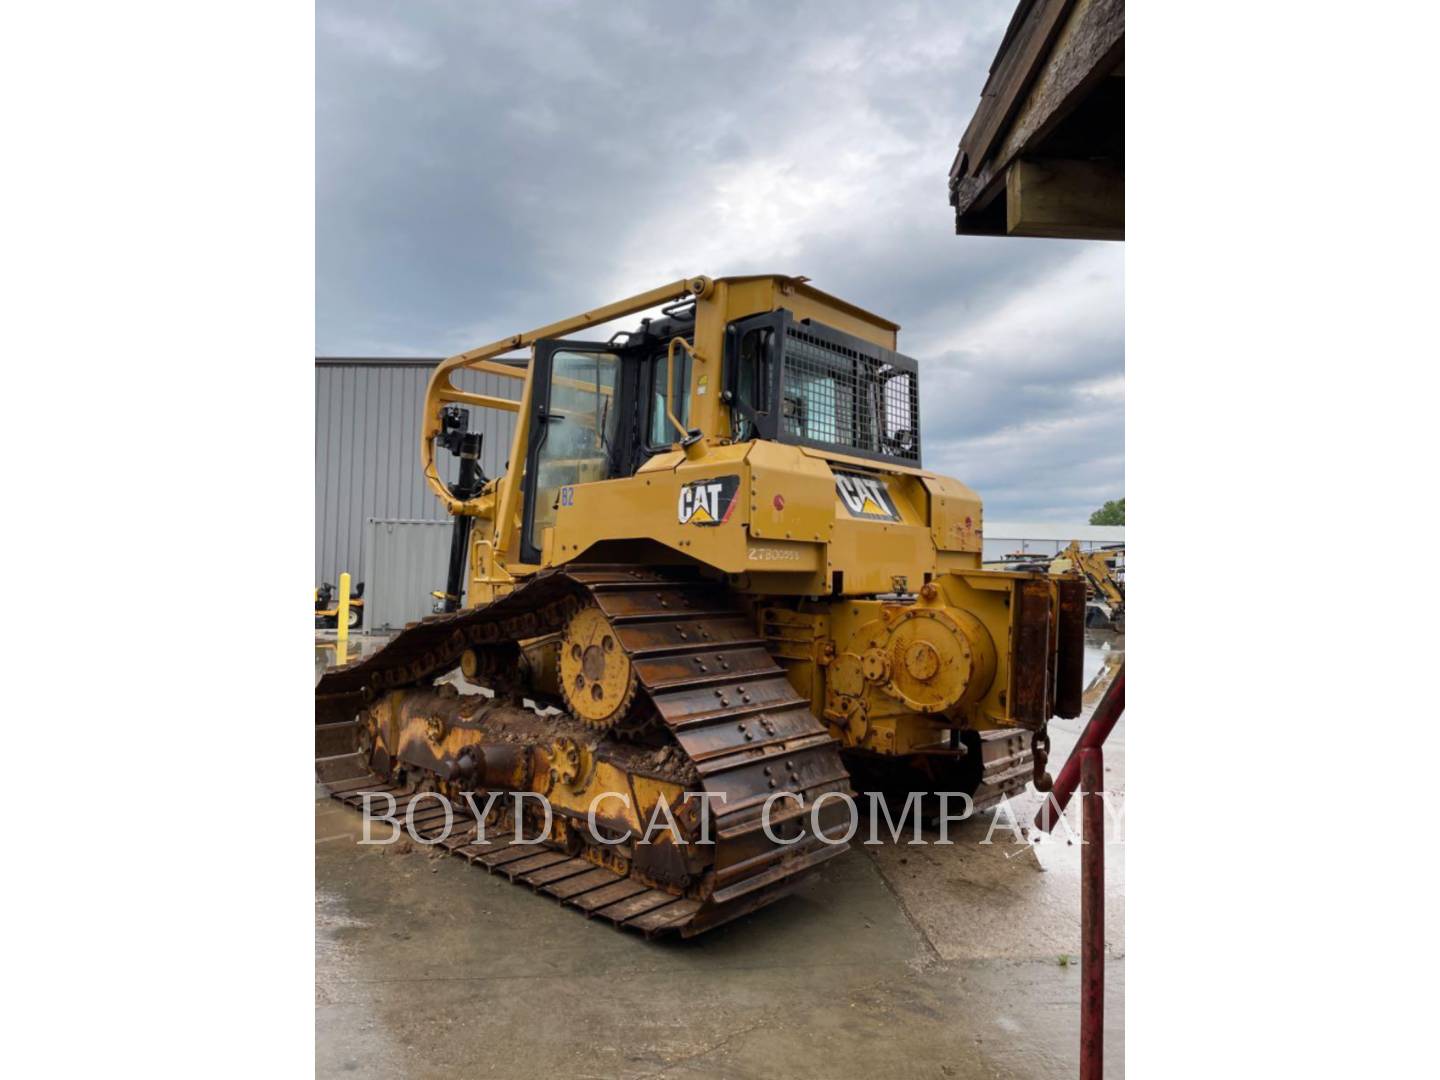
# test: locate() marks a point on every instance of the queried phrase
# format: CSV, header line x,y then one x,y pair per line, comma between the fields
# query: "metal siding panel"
x,y
323,379
373,408
327,463
409,410
358,482
355,464
344,494
407,559
394,381
349,471
419,501
379,450
334,498
334,436
399,505
393,434
427,506
354,471
394,391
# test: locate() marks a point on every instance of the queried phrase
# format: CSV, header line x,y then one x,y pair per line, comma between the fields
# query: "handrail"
x,y
1102,721
1086,768
685,436
441,389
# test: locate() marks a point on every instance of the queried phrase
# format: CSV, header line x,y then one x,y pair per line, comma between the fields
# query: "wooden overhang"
x,y
1044,154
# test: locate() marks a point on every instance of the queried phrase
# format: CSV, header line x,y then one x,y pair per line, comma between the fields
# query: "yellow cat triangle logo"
x,y
701,515
872,507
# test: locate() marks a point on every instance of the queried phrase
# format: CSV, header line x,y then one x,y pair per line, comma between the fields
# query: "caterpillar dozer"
x,y
716,588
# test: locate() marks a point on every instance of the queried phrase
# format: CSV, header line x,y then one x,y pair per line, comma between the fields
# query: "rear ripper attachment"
x,y
669,697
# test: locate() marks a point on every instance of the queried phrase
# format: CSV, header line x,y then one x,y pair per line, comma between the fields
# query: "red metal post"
x,y
1102,721
1092,913
1086,767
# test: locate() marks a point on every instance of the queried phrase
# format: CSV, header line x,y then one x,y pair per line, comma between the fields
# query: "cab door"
x,y
575,425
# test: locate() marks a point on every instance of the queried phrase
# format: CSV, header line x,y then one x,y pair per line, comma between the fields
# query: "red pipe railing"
x,y
1086,766
1092,915
1102,722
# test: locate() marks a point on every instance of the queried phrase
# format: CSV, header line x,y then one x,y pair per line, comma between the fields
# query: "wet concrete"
x,y
896,961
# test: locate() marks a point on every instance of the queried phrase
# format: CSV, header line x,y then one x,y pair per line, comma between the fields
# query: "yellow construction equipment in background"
x,y
1103,571
1102,568
717,555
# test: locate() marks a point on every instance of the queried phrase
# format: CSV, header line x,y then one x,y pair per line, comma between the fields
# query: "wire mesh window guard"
x,y
834,394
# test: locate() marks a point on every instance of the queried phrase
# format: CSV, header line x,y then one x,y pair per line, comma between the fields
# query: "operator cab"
x,y
600,410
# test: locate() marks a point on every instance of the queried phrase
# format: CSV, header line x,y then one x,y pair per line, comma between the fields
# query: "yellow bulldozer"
x,y
715,587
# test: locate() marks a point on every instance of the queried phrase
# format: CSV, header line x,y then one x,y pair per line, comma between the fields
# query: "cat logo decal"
x,y
708,502
866,497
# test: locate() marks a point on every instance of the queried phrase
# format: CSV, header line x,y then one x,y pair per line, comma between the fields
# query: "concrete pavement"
x,y
957,961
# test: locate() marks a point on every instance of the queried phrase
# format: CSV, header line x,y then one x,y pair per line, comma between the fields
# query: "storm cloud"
x,y
485,167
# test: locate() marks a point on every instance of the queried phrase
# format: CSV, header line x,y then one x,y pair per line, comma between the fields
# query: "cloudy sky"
x,y
484,167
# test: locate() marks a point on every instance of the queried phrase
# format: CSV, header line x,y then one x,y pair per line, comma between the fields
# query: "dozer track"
x,y
703,673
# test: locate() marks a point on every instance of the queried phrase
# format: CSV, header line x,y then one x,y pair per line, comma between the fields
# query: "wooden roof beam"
x,y
1077,200
1051,61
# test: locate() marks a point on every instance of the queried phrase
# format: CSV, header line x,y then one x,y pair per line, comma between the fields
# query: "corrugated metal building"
x,y
367,457
405,562
1044,538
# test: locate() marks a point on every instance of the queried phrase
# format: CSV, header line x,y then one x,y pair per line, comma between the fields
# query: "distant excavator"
x,y
715,580
1102,568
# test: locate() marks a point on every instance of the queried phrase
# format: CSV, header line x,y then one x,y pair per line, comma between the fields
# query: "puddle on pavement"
x,y
1104,653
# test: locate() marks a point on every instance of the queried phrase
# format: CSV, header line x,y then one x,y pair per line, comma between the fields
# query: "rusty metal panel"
x,y
1070,655
1030,654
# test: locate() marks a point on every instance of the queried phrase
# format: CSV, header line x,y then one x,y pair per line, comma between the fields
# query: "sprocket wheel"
x,y
596,675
